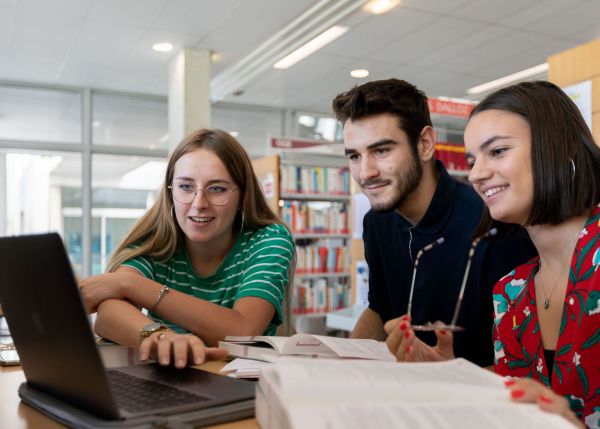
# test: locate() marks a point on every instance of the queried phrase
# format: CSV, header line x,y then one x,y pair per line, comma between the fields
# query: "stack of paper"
x,y
244,368
348,394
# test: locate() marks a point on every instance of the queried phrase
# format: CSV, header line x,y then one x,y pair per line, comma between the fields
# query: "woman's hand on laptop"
x,y
406,347
168,347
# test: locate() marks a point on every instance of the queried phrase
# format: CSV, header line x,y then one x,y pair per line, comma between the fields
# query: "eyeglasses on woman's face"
x,y
217,194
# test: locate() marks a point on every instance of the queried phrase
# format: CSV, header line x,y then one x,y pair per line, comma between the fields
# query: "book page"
x,y
345,394
358,348
332,347
425,416
306,344
349,376
276,342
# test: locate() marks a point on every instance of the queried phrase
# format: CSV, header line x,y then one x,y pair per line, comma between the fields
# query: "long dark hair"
x,y
565,160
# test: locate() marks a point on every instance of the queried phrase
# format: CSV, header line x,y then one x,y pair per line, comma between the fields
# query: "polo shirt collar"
x,y
439,209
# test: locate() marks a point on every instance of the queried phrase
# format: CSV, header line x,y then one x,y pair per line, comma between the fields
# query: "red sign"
x,y
287,143
451,108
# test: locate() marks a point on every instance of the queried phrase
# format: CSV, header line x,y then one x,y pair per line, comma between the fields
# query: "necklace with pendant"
x,y
562,272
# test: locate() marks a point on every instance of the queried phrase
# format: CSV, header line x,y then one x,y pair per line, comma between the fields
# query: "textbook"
x,y
332,394
270,349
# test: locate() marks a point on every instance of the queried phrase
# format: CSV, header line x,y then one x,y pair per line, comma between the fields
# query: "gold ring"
x,y
160,336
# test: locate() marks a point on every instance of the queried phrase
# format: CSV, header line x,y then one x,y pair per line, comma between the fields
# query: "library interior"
x,y
216,183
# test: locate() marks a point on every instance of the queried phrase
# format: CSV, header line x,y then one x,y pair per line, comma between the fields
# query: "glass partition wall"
x,y
82,163
88,164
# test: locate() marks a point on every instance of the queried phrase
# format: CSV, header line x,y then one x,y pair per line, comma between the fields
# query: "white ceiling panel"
x,y
85,73
374,34
443,46
7,17
438,6
580,15
33,69
259,19
471,42
586,34
498,50
306,73
131,13
523,60
538,12
492,10
195,16
434,35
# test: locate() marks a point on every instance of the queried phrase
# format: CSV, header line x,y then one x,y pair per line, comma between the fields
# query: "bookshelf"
x,y
311,193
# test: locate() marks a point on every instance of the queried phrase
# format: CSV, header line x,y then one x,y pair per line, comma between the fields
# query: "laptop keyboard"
x,y
135,394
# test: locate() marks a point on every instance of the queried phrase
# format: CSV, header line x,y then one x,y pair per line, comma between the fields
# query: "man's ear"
x,y
427,143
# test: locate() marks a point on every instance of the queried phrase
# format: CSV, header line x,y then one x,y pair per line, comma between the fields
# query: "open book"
x,y
271,348
331,394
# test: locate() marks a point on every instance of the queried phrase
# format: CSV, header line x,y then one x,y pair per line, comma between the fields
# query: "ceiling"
x,y
443,46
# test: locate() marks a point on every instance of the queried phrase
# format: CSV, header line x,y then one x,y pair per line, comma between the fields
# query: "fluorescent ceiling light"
x,y
163,47
311,47
359,73
504,81
378,7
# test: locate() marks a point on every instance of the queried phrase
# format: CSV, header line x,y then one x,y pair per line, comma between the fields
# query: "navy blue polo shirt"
x,y
454,213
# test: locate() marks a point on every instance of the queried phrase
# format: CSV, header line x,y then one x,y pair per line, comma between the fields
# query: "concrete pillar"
x,y
189,93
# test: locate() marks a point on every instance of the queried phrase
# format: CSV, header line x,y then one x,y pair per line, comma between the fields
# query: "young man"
x,y
390,144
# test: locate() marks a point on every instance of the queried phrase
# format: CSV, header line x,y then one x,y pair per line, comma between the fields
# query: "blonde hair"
x,y
158,235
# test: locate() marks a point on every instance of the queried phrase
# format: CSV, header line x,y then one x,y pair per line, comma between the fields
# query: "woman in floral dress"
x,y
535,163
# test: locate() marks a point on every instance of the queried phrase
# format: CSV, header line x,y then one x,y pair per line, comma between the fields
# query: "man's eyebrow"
x,y
486,143
380,143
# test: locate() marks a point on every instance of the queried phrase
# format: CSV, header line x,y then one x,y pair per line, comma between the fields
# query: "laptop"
x,y
66,378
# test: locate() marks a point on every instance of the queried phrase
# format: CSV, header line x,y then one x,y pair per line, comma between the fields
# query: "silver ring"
x,y
160,336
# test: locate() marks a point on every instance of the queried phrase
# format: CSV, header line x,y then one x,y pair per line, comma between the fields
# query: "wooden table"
x,y
17,415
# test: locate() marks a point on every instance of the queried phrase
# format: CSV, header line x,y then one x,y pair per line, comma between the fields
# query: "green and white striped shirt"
x,y
257,265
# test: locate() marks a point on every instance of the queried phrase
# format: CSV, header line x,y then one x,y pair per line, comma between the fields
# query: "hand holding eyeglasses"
x,y
406,347
437,326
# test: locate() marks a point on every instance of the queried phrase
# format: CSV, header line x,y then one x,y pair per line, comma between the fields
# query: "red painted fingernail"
x,y
517,393
545,399
408,349
406,334
509,382
442,332
403,326
405,317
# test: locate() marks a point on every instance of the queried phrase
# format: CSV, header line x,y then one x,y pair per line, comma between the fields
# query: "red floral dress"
x,y
517,340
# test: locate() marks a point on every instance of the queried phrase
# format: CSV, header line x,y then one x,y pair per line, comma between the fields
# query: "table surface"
x,y
17,415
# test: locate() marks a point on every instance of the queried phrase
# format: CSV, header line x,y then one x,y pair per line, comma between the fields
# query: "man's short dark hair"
x,y
394,96
565,160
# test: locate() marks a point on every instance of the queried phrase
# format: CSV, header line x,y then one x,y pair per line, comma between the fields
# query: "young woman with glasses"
x,y
209,258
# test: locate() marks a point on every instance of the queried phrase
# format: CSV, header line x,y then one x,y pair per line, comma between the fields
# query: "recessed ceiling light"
x,y
377,7
96,124
162,47
215,57
359,73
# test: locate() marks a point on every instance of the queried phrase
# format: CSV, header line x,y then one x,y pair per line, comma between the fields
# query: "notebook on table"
x,y
65,375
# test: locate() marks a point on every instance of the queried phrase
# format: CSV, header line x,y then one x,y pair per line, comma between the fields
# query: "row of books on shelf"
x,y
452,155
317,296
325,256
305,217
315,180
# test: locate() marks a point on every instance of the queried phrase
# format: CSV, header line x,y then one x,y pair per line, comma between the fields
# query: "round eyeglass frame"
x,y
208,198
